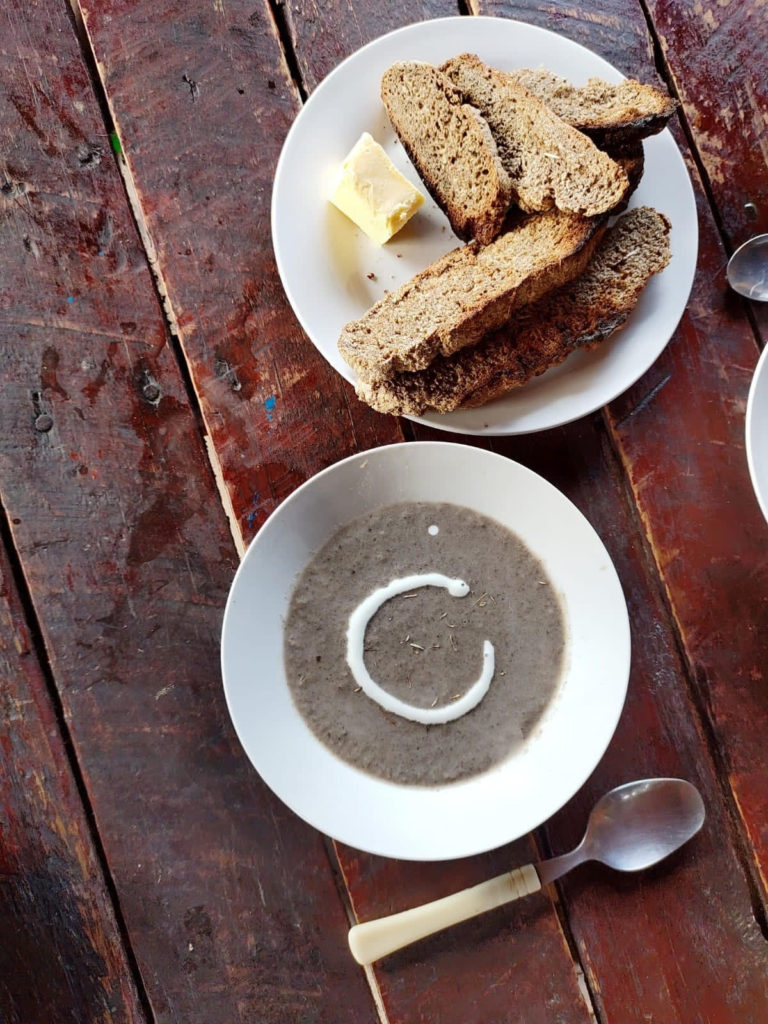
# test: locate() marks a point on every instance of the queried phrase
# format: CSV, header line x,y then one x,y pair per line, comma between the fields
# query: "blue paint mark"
x,y
269,405
70,298
251,517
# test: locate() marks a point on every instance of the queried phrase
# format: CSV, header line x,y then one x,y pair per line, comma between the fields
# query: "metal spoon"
x,y
748,269
630,828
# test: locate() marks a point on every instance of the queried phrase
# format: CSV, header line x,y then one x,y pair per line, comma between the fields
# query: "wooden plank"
x,y
214,92
716,54
713,559
230,903
322,39
55,909
615,30
513,961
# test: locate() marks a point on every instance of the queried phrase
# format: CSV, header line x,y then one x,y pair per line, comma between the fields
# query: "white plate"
x,y
461,818
757,431
325,261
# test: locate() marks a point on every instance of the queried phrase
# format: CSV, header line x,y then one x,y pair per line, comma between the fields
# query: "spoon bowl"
x,y
634,826
748,269
630,828
639,824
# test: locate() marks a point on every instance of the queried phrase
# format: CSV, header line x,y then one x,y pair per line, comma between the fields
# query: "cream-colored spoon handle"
x,y
374,939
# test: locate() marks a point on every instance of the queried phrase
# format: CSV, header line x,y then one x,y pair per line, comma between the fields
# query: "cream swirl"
x,y
357,625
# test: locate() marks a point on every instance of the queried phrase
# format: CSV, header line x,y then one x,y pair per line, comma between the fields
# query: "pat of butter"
x,y
371,191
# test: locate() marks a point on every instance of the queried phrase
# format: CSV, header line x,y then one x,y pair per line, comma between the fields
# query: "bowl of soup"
x,y
425,650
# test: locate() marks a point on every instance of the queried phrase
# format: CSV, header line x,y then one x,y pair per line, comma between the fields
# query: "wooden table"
x,y
159,400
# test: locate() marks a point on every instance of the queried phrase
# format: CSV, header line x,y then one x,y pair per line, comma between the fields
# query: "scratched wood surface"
x,y
201,128
717,558
230,905
715,54
54,906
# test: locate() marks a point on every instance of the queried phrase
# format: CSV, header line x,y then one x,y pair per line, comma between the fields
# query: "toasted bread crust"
x,y
578,315
467,293
613,115
631,158
450,146
549,162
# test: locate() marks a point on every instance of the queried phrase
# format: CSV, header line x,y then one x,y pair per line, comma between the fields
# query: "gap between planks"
x,y
730,801
738,825
38,648
150,250
282,30
334,861
721,772
666,74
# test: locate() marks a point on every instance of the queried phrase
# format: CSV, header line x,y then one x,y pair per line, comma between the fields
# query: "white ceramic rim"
x,y
757,432
463,818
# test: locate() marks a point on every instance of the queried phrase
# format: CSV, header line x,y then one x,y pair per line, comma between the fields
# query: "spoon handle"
x,y
374,939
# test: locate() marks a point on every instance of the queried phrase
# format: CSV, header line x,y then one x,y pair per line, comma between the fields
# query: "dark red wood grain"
x,y
406,991
61,954
716,53
713,559
322,35
230,903
715,56
150,167
203,160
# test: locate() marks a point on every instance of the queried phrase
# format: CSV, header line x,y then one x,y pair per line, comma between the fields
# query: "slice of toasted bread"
x,y
549,162
578,315
467,293
451,147
611,114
